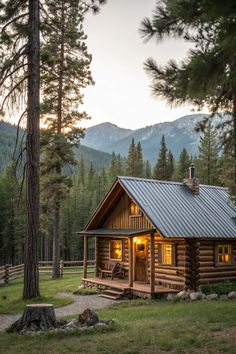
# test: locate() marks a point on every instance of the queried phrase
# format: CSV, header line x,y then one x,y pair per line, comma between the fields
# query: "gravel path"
x,y
81,302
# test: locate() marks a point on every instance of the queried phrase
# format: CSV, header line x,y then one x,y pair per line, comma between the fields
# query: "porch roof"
x,y
115,232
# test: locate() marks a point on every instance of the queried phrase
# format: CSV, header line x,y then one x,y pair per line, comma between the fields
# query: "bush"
x,y
86,291
218,288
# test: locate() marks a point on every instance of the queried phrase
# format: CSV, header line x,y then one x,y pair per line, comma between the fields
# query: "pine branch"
x,y
12,90
12,72
14,20
17,133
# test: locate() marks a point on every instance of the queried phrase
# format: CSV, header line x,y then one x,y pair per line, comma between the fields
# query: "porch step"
x,y
112,294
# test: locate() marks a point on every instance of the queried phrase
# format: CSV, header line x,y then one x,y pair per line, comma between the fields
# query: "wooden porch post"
x,y
85,255
152,263
130,261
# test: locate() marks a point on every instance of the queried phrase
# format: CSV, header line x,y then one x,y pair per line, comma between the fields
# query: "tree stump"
x,y
36,317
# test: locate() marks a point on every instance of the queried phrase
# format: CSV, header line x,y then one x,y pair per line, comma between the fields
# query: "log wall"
x,y
120,217
208,271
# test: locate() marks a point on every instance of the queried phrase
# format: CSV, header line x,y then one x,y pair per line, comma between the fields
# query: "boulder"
x,y
232,295
212,297
196,295
171,297
183,295
88,318
223,297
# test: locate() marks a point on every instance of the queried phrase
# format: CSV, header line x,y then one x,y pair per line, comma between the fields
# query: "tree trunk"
x,y
37,317
56,229
31,274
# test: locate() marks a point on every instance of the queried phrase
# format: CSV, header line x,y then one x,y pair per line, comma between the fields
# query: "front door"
x,y
141,260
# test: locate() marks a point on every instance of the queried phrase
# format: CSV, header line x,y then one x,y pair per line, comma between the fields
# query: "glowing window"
x,y
167,253
116,250
134,209
224,254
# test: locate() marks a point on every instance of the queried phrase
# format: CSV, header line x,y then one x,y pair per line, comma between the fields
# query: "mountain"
x,y
104,135
8,134
178,134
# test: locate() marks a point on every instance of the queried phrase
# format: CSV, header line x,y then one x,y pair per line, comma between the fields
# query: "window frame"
x,y
122,250
223,264
139,212
161,256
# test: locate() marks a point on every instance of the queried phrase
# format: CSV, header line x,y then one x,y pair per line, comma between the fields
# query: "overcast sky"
x,y
122,94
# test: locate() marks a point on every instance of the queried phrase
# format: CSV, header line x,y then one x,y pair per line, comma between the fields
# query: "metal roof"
x,y
176,212
115,232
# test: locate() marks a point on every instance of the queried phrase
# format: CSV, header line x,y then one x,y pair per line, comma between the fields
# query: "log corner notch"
x,y
36,317
152,264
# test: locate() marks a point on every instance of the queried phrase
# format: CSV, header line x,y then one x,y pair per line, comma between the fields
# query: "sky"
x,y
121,94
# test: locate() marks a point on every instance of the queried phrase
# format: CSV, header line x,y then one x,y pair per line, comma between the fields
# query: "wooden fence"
x,y
9,272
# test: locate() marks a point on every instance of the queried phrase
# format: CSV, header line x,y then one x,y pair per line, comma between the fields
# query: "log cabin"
x,y
169,236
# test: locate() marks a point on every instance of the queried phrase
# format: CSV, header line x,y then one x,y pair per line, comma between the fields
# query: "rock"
x,y
171,297
183,295
212,297
196,295
223,297
232,295
88,318
71,324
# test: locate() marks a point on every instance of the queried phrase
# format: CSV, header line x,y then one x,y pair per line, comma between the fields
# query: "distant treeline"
x,y
214,166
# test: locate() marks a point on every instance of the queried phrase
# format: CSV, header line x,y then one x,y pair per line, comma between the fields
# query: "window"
x,y
224,254
134,210
116,250
167,253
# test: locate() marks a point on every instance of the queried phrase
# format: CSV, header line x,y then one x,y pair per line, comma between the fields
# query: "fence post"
x,y
6,277
61,268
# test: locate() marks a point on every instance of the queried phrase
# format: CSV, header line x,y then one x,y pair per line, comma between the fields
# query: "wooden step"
x,y
112,294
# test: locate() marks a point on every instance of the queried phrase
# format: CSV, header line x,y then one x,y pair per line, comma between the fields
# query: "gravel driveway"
x,y
81,302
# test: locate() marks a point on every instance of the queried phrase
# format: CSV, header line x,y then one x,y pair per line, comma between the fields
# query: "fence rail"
x,y
9,272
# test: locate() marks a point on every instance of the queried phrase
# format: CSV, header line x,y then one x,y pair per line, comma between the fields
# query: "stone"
x,y
212,297
232,295
171,297
88,318
196,295
183,295
223,297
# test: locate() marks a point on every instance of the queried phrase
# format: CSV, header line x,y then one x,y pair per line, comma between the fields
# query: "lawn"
x,y
11,294
143,327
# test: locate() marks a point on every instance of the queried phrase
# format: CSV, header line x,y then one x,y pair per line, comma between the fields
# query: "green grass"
x,y
143,327
11,294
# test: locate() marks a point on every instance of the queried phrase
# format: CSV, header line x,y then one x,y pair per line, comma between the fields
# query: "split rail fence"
x,y
9,272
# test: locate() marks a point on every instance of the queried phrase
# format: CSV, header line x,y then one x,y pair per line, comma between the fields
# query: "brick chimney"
x,y
192,182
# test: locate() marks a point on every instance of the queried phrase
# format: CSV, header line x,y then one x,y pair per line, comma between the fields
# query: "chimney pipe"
x,y
192,182
192,171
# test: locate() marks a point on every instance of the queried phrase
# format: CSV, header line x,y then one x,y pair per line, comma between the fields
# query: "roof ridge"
x,y
166,182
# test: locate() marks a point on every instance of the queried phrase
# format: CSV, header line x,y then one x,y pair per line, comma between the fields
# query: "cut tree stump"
x,y
36,317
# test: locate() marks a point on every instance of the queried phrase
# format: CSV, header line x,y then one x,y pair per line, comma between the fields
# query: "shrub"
x,y
218,288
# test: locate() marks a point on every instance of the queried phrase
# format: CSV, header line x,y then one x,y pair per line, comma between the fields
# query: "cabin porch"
x,y
138,289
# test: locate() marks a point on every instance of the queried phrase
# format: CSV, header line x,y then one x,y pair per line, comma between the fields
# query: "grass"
x,y
143,327
10,295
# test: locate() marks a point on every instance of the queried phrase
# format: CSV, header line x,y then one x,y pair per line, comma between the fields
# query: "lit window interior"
x,y
134,210
116,249
167,253
224,254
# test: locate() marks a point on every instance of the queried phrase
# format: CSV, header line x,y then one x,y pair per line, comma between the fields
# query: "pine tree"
x,y
139,161
65,71
19,82
182,168
170,165
161,168
207,76
147,169
130,168
208,156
